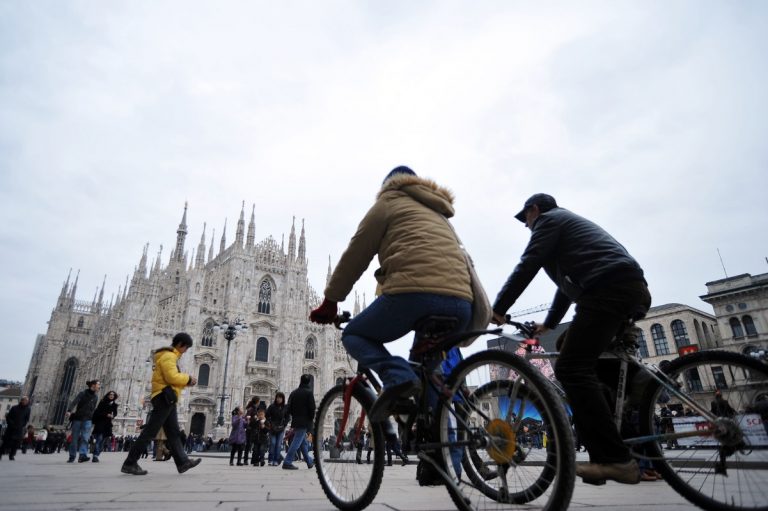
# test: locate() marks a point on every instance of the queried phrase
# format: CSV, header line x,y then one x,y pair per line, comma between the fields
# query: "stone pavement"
x,y
45,482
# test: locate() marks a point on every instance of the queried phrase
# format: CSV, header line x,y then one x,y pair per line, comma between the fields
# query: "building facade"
x,y
263,284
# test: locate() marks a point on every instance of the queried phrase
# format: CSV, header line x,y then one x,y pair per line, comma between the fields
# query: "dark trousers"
x,y
259,448
236,448
249,440
163,416
599,316
10,444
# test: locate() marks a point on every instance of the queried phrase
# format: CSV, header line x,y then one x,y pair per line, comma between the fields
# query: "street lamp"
x,y
230,332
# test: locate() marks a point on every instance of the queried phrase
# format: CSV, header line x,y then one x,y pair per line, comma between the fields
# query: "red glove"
x,y
324,314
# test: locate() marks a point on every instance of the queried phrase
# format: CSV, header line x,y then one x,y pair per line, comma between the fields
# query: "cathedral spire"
x,y
364,304
101,293
159,257
223,244
210,250
302,245
330,272
125,289
251,229
192,258
143,262
200,261
292,241
356,309
73,291
240,233
181,234
65,287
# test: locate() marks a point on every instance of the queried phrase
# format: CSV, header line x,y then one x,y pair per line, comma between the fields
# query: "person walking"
x,y
594,271
423,273
16,419
167,384
237,437
301,409
105,411
276,416
80,412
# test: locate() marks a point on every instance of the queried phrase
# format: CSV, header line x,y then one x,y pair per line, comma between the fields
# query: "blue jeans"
x,y
391,317
81,434
99,444
275,446
299,442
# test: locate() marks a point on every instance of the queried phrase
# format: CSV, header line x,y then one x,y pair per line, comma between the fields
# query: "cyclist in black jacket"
x,y
594,271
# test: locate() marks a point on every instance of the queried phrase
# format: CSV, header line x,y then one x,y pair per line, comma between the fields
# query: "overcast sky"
x,y
648,117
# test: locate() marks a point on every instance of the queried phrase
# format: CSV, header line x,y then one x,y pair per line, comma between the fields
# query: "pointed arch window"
x,y
208,334
265,297
65,390
749,325
736,327
262,350
309,349
642,345
203,375
659,340
680,334
80,322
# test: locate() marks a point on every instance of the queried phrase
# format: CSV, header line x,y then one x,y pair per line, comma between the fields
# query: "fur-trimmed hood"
x,y
422,189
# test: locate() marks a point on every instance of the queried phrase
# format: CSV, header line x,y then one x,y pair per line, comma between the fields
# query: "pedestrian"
x,y
276,416
167,384
594,271
721,407
105,411
301,409
250,415
260,437
423,273
16,419
237,437
80,413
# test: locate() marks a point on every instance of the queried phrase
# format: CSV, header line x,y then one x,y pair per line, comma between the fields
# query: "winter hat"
x,y
402,169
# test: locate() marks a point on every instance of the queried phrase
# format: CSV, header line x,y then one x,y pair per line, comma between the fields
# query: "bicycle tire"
x,y
694,468
349,484
491,385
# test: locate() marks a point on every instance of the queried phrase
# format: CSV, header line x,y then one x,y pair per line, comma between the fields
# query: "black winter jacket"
x,y
301,407
17,418
83,405
276,416
101,423
577,254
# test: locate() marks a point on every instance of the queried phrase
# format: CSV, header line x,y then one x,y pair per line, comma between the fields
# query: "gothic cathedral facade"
x,y
262,284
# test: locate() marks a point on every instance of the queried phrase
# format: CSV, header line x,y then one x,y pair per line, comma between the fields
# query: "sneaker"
x,y
290,466
83,459
71,460
384,404
598,473
134,469
190,463
310,464
95,459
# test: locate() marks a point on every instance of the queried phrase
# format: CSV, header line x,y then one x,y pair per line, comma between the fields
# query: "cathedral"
x,y
261,284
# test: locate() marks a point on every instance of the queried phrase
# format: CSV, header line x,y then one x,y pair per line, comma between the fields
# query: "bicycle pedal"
x,y
596,482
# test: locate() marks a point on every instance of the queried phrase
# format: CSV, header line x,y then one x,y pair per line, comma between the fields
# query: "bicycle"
x,y
715,462
466,427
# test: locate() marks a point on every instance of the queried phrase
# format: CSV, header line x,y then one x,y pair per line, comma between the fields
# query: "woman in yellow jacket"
x,y
167,384
422,273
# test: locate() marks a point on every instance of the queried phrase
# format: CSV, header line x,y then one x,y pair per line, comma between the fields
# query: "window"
x,y
262,350
203,374
641,344
208,334
80,322
309,348
65,389
693,380
680,334
749,325
719,376
265,297
736,328
659,340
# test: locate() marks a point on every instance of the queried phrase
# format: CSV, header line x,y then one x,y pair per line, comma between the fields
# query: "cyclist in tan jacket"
x,y
422,272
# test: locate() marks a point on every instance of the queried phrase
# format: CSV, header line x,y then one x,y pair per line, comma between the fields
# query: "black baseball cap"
x,y
542,200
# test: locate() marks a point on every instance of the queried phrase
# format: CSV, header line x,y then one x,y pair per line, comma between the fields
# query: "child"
x,y
261,437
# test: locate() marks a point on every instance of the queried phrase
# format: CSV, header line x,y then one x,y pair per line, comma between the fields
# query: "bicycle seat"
x,y
430,330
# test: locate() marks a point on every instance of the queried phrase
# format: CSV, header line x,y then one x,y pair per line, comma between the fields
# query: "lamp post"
x,y
230,332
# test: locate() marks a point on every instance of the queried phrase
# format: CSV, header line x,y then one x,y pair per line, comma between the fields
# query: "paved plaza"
x,y
38,482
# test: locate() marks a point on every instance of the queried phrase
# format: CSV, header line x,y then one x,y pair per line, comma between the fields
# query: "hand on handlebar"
x,y
539,329
325,314
498,319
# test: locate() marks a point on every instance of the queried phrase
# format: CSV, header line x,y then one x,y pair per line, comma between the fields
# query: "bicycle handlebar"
x,y
526,328
344,317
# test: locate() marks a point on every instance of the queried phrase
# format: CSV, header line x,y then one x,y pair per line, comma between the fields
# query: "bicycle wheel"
x,y
723,464
491,435
349,481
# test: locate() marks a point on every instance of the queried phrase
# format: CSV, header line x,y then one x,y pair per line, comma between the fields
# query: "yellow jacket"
x,y
417,249
166,372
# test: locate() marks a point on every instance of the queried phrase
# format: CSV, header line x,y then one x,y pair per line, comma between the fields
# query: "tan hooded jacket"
x,y
418,251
